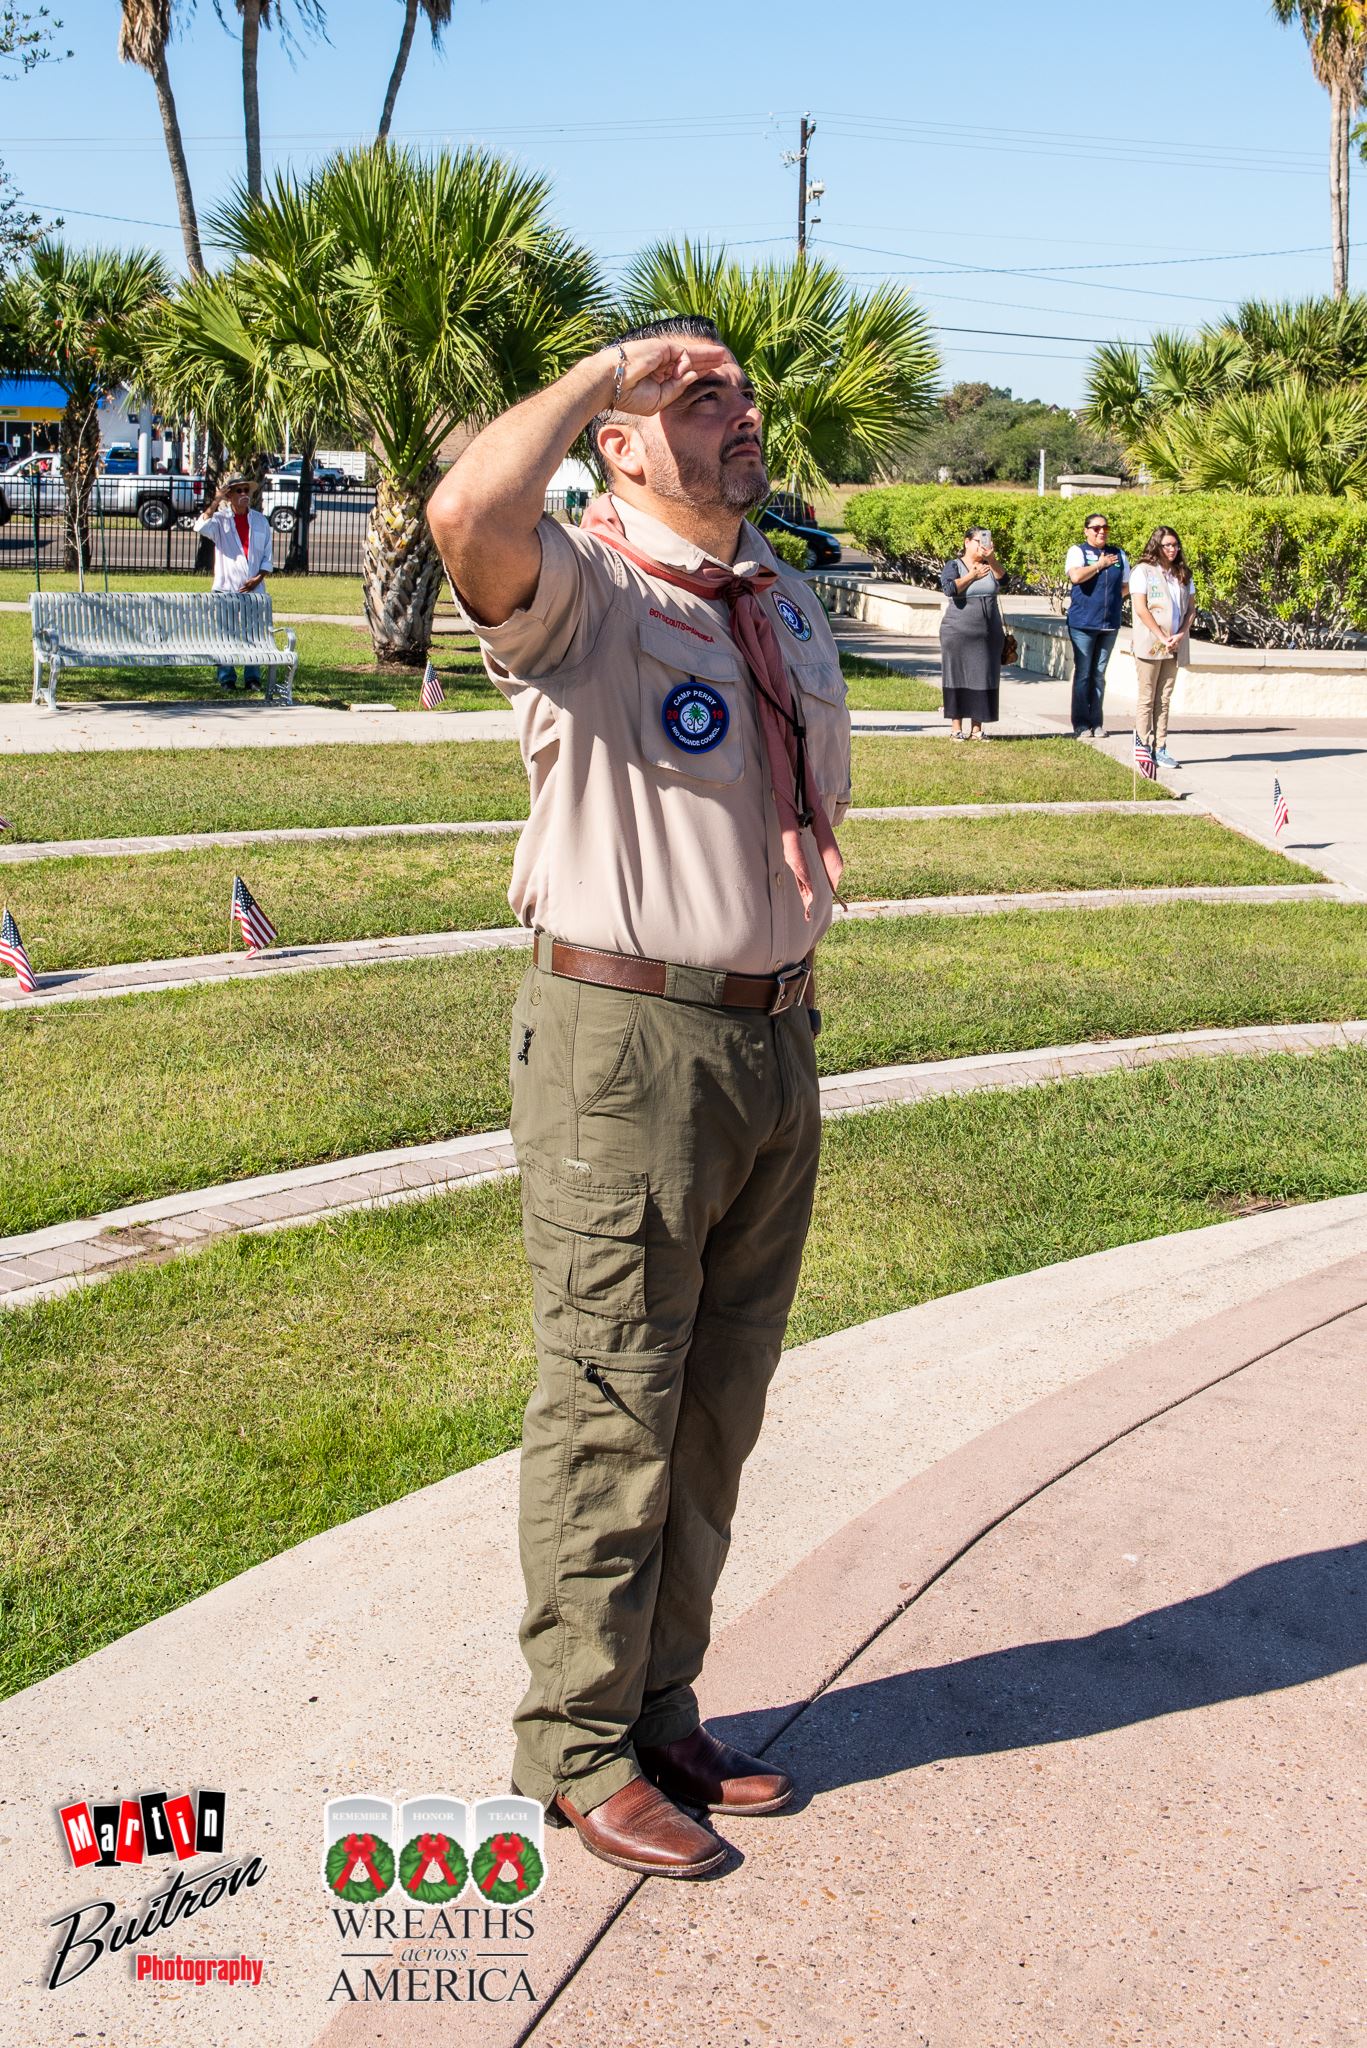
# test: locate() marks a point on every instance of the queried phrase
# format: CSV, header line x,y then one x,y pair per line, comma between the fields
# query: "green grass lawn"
x,y
94,911
119,1101
278,1385
335,668
873,686
197,789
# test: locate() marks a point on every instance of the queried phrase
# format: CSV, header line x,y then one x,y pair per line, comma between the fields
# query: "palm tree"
x,y
403,295
73,315
256,15
840,375
1272,399
1336,31
144,31
438,14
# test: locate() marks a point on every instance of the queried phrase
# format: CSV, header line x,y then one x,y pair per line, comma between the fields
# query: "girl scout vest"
x,y
1095,605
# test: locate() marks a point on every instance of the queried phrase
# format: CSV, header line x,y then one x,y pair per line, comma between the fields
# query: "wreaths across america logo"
x,y
456,1881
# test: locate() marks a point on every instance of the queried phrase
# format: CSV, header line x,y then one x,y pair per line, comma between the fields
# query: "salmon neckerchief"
x,y
781,723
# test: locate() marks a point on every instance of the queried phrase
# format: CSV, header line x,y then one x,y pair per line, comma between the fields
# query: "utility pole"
x,y
806,132
1041,472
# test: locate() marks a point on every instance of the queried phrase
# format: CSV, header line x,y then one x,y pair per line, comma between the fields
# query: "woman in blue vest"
x,y
1099,575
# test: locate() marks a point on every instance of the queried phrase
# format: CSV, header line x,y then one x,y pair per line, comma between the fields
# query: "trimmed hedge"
x,y
1269,572
789,547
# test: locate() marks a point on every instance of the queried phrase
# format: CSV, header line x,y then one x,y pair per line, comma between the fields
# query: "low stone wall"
x,y
1238,682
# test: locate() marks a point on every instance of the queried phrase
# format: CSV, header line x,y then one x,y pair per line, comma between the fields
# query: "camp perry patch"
x,y
695,717
797,622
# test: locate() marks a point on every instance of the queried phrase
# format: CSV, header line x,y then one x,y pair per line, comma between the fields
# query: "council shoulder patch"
x,y
695,716
797,622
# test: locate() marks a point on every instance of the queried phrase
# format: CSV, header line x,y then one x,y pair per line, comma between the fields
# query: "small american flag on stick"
x,y
1281,817
1143,759
432,691
257,929
13,954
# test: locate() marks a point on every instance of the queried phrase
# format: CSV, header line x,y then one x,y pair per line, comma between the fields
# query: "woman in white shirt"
x,y
242,554
1163,602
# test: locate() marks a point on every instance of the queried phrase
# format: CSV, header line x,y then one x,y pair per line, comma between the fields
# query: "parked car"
x,y
823,549
155,501
121,460
284,476
788,505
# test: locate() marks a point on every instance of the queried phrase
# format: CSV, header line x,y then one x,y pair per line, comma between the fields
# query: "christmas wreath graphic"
x,y
360,1868
432,1869
507,1869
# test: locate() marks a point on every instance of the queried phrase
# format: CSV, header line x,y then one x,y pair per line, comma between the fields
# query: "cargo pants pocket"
x,y
585,1239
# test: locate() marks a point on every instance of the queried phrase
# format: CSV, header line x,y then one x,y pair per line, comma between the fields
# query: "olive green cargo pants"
x,y
668,1151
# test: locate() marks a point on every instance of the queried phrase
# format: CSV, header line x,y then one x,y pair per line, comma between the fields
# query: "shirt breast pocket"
x,y
691,702
822,689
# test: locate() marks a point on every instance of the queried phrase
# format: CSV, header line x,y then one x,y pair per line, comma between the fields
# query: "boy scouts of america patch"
x,y
695,716
797,622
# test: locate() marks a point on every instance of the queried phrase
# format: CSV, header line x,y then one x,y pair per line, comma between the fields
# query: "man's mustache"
x,y
743,441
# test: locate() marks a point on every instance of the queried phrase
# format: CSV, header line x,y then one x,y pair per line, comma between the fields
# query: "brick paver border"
x,y
41,1263
190,842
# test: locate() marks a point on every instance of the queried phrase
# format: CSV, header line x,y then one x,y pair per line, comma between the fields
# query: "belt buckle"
x,y
792,984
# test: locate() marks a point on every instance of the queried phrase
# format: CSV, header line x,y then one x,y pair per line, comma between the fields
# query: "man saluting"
x,y
682,717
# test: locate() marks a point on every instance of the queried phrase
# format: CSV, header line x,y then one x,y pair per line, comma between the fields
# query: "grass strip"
x,y
343,595
335,669
94,912
874,686
279,1385
133,794
121,1101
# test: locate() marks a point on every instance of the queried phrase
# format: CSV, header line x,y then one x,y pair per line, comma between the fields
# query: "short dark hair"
x,y
695,326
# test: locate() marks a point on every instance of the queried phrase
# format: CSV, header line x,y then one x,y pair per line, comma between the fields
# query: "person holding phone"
x,y
241,538
972,635
1099,575
1164,600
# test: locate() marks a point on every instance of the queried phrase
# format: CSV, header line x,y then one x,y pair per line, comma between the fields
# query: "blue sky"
x,y
1070,173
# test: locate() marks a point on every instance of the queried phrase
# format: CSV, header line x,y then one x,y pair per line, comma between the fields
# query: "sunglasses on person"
x,y
1097,526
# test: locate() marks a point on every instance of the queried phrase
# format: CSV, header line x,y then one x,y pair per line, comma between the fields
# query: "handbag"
x,y
1010,648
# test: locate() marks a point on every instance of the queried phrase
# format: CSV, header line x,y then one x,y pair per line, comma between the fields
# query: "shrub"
x,y
789,547
1269,571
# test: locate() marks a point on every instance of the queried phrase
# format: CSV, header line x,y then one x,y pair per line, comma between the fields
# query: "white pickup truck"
x,y
156,501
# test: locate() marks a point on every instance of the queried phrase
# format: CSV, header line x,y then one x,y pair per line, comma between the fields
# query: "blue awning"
x,y
44,393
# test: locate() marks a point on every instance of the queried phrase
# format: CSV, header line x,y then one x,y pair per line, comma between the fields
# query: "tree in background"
x,y
438,14
1273,400
842,377
74,315
404,295
1336,31
256,15
25,42
144,31
982,434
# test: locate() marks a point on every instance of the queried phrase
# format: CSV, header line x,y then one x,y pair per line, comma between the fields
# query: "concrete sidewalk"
x,y
1228,765
933,1538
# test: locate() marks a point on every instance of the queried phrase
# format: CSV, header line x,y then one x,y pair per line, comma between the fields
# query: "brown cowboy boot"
x,y
698,1770
638,1828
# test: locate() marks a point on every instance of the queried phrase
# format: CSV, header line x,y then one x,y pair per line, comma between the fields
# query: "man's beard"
x,y
704,484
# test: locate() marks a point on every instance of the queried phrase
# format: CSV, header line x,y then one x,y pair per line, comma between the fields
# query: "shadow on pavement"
x,y
1285,1624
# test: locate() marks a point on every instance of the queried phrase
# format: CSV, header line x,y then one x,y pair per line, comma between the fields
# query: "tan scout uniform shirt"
x,y
634,843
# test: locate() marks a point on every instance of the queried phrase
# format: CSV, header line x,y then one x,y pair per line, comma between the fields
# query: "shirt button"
x,y
778,874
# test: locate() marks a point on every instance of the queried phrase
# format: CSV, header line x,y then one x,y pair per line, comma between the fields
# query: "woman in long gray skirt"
x,y
971,635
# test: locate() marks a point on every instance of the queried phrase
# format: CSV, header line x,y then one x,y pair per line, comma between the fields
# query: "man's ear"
x,y
619,444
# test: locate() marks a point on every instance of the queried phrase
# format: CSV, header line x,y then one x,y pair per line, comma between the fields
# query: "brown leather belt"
x,y
772,992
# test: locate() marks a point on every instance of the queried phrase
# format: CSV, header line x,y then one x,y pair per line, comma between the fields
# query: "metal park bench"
x,y
157,629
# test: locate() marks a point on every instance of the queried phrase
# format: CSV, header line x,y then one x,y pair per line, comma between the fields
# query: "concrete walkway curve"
x,y
38,1265
334,1648
142,977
